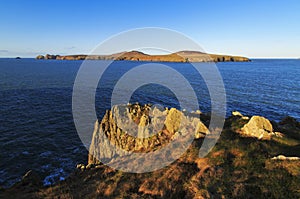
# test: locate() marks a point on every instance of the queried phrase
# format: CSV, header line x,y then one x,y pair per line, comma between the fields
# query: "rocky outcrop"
x,y
47,56
71,57
258,127
182,56
137,128
40,57
237,167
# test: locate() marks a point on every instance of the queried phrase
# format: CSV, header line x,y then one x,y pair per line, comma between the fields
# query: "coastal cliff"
x,y
181,56
166,124
253,158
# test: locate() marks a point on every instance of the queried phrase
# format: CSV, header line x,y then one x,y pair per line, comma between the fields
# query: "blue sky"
x,y
249,28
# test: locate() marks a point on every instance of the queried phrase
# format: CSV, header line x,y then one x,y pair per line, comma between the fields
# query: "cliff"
x,y
166,125
250,160
181,56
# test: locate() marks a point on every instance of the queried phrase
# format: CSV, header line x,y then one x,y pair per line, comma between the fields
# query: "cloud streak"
x,y
70,48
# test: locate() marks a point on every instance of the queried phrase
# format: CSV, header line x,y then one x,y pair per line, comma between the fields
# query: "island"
x,y
181,56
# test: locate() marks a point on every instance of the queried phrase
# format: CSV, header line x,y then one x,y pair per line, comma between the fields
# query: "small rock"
x,y
80,166
278,134
202,130
198,112
89,166
236,113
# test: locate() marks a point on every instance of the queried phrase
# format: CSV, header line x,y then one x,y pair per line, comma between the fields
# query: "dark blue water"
x,y
36,123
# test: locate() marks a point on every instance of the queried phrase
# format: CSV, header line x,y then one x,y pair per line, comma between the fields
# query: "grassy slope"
x,y
237,167
182,56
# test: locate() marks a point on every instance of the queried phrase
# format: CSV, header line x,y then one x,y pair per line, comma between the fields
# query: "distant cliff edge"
x,y
181,56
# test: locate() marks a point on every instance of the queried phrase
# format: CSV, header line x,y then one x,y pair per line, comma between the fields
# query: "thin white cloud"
x,y
70,48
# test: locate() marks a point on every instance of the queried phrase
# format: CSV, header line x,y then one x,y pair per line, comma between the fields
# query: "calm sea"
x,y
36,123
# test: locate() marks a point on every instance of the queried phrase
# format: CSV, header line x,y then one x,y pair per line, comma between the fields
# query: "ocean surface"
x,y
36,122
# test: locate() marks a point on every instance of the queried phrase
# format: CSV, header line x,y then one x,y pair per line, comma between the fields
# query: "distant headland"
x,y
181,56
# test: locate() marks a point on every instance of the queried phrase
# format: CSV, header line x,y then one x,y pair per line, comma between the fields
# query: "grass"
x,y
237,167
286,141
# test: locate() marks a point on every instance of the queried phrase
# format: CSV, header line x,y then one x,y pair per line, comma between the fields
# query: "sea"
x,y
36,122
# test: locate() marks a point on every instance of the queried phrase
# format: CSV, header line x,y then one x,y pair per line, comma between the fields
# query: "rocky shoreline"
x,y
254,157
181,56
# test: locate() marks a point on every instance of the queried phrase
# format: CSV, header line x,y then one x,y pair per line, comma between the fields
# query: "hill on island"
x,y
181,56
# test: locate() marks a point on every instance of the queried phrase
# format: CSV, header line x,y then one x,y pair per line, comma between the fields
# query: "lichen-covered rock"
x,y
173,120
258,127
139,129
202,130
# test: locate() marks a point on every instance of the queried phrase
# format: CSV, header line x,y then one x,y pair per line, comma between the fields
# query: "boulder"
x,y
202,130
258,127
173,120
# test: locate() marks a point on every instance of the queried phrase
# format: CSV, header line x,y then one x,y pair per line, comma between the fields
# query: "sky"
x,y
256,29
